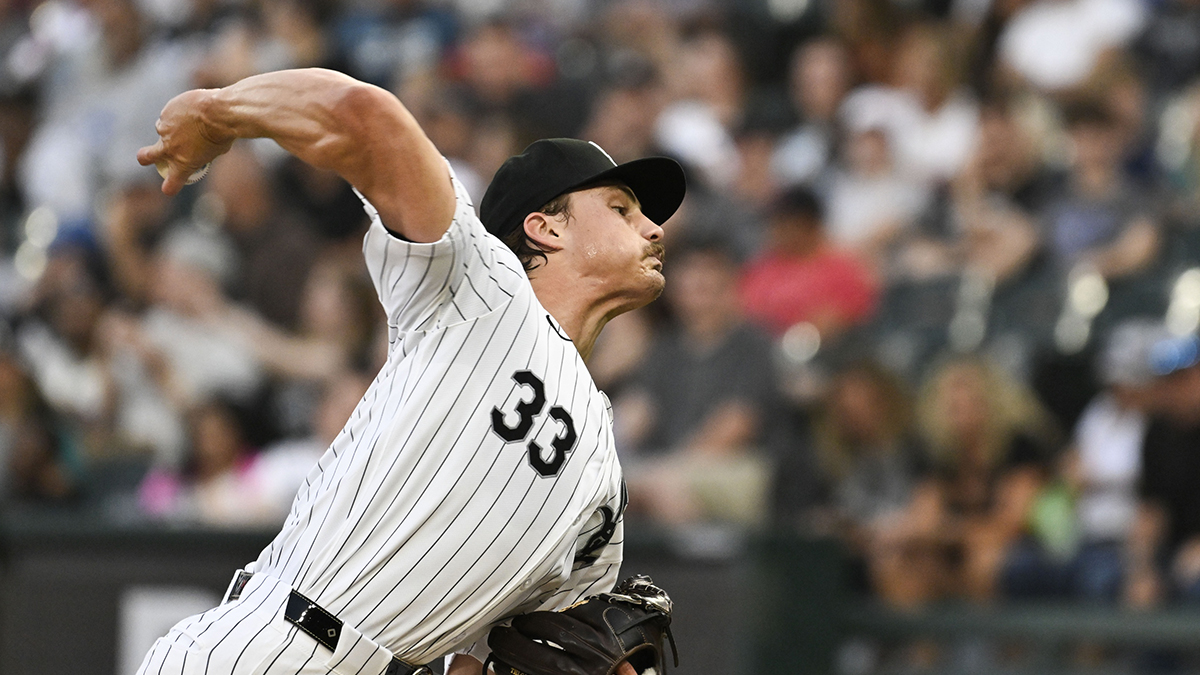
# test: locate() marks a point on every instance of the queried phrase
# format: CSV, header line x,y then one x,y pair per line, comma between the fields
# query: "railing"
x,y
1048,625
76,592
745,605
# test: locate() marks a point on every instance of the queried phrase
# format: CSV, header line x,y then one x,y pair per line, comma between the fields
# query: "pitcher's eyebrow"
x,y
628,193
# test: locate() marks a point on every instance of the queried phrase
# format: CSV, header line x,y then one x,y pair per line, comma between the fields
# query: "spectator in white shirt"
x,y
1055,45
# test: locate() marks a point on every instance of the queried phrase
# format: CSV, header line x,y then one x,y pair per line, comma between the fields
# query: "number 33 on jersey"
x,y
528,410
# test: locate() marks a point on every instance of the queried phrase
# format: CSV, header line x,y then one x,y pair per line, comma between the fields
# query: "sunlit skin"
x,y
603,260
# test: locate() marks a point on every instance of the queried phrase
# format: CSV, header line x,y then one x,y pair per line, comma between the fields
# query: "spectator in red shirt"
x,y
801,277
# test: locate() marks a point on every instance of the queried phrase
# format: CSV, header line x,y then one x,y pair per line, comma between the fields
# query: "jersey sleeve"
x,y
459,277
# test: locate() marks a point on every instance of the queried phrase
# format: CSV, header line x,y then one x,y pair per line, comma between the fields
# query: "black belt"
x,y
322,626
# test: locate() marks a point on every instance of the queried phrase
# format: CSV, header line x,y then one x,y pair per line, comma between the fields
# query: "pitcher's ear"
x,y
544,231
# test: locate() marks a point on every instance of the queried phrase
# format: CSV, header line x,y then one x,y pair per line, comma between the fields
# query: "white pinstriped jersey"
x,y
477,478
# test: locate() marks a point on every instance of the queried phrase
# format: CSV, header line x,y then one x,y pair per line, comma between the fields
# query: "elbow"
x,y
365,120
367,114
356,102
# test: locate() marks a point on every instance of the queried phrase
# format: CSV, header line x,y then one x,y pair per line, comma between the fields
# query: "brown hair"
x,y
838,454
1012,409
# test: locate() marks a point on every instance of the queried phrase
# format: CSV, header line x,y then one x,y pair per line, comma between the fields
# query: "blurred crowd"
x,y
935,288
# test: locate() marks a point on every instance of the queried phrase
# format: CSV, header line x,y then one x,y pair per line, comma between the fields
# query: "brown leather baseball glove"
x,y
591,637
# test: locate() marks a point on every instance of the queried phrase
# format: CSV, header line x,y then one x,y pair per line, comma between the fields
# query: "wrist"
x,y
213,112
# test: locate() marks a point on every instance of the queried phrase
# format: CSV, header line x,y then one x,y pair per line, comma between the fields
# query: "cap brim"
x,y
658,183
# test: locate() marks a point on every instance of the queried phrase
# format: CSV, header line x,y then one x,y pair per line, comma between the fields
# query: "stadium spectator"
x,y
869,29
1054,45
870,205
1101,219
985,221
281,34
1085,556
801,277
1170,46
175,356
329,206
275,245
819,77
445,117
1009,163
755,185
37,464
932,120
1163,555
201,359
216,485
392,41
506,76
621,349
1122,90
105,80
1105,463
276,472
871,465
131,227
337,313
60,343
702,403
623,115
1178,152
990,444
707,87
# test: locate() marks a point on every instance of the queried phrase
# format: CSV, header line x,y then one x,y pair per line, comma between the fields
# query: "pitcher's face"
x,y
613,244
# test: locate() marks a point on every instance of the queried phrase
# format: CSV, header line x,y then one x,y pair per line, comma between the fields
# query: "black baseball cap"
x,y
555,166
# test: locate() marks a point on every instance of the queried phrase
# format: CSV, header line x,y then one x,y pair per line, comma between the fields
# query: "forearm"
x,y
1004,246
728,430
1016,492
464,664
1145,536
283,354
310,113
329,120
1131,252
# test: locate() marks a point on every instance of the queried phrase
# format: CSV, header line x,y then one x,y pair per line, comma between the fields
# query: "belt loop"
x,y
237,585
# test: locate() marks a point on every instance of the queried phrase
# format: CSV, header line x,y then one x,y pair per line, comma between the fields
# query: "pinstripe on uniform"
x,y
421,526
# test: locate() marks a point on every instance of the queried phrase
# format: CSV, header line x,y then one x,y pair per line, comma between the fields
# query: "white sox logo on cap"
x,y
555,166
596,145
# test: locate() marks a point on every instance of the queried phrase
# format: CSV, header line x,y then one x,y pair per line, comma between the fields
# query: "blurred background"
x,y
922,394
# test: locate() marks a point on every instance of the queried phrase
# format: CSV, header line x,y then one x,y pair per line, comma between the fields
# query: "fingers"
x,y
625,669
185,144
150,154
175,181
175,178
